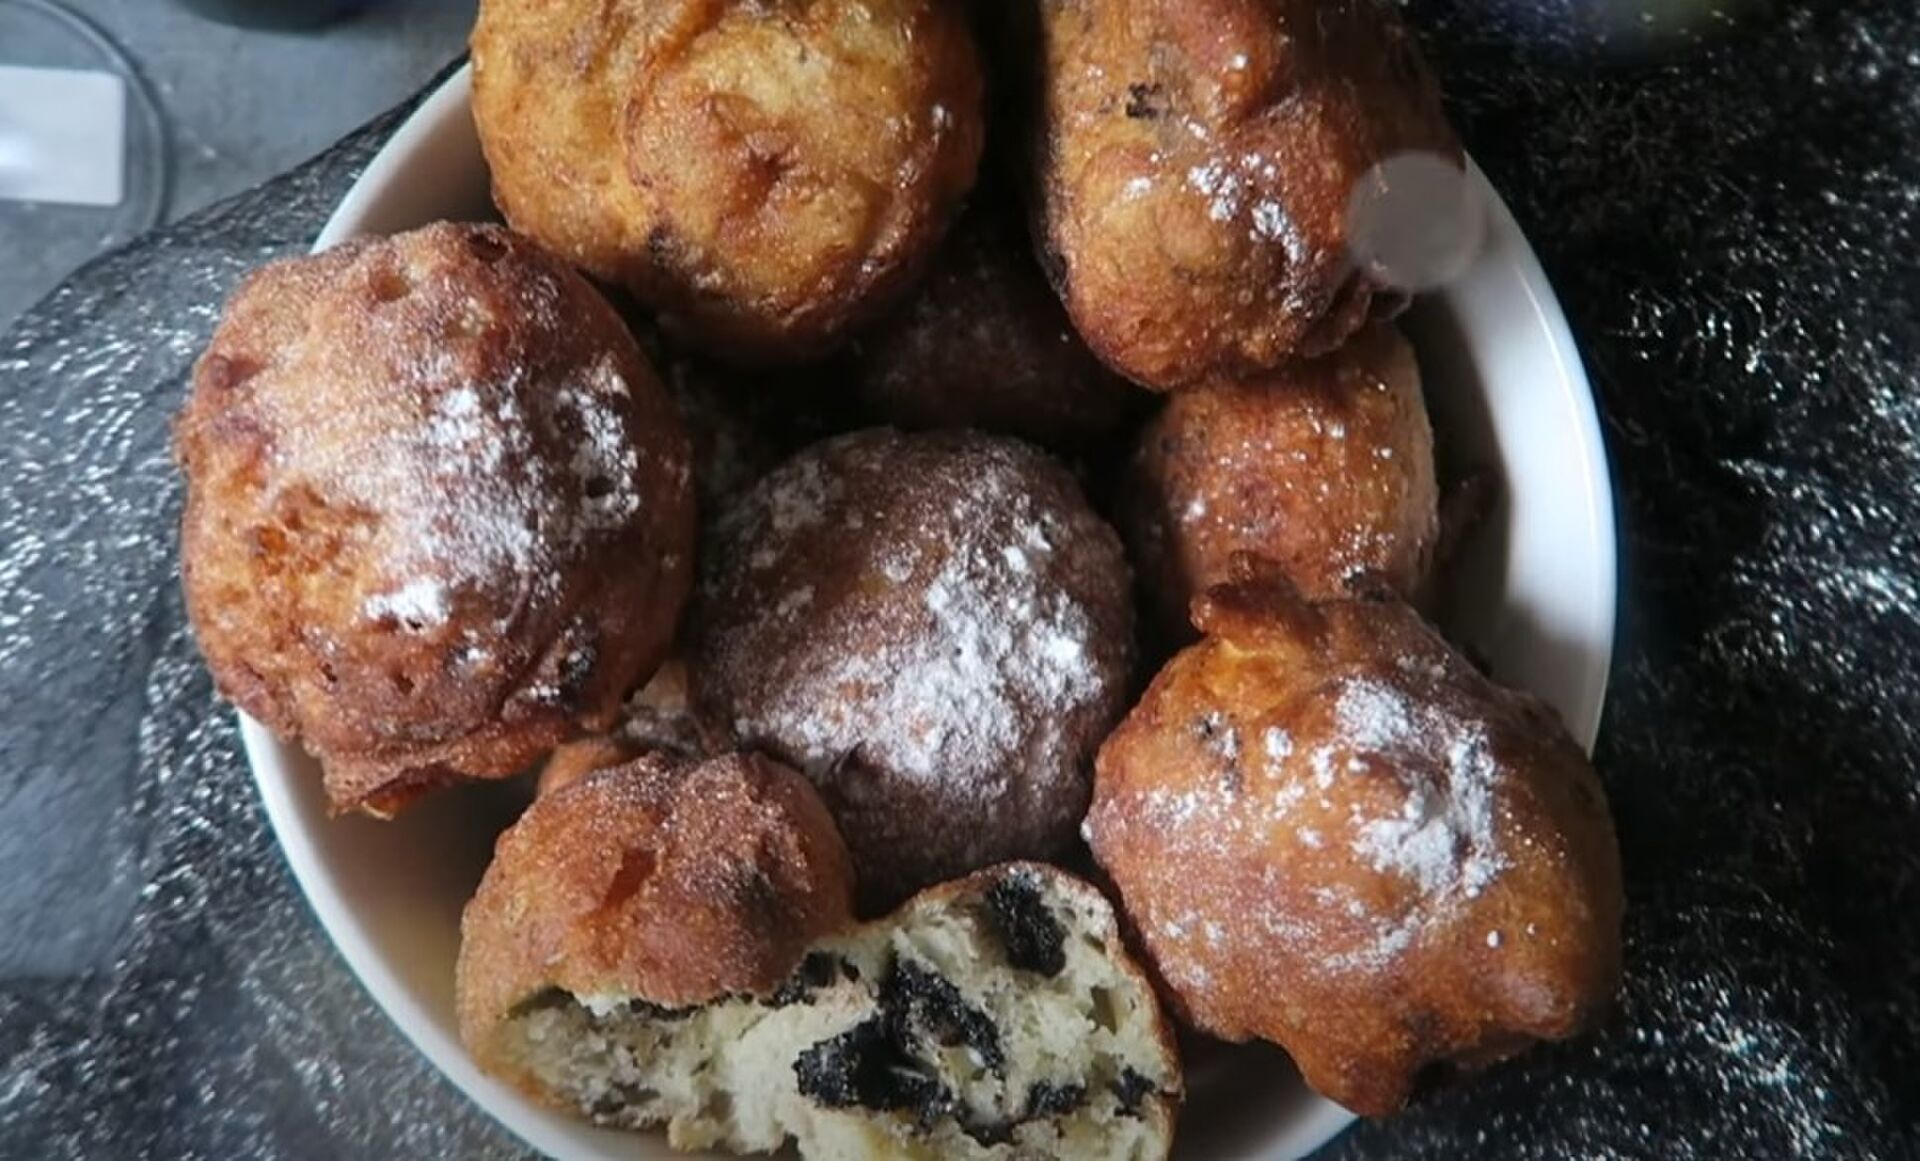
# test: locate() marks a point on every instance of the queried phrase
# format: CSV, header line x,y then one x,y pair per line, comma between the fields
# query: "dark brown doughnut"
x,y
936,629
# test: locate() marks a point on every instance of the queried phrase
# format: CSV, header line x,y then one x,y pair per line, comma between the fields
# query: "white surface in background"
x,y
63,136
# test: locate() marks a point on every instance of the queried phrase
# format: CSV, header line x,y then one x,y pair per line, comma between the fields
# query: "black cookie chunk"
x,y
1046,1099
1132,1088
814,972
1034,939
865,1067
884,1063
920,1004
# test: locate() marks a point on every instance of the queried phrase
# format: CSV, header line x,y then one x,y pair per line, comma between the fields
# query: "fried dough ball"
x,y
676,881
935,629
1199,164
1324,468
438,511
984,343
763,175
1334,834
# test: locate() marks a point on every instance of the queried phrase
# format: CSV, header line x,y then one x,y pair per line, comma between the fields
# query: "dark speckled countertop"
x,y
1728,199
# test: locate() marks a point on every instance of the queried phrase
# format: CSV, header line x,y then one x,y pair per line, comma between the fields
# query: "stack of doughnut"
x,y
806,575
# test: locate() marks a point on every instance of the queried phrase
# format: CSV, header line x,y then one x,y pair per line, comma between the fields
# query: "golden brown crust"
x,y
984,343
1324,468
1196,166
670,882
438,514
935,628
764,175
1334,834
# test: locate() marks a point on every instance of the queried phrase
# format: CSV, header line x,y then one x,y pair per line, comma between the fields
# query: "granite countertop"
x,y
1731,214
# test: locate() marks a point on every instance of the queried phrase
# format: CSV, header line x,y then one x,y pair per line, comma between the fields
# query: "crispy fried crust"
x,y
764,175
1324,468
1196,163
1334,834
671,881
438,513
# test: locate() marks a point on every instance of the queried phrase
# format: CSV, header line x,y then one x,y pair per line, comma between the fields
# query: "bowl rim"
x,y
268,757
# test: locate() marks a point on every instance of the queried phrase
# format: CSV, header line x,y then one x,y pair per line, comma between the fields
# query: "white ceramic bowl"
x,y
1506,388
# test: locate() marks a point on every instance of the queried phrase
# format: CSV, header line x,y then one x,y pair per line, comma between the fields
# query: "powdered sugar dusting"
x,y
1444,835
1222,187
1402,784
422,601
960,656
605,461
802,498
1247,189
458,426
450,491
1435,830
467,486
944,702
